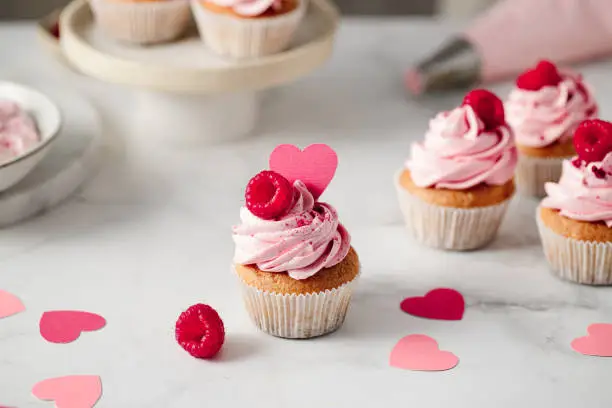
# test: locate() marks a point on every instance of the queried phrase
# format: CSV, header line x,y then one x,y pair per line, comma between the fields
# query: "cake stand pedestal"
x,y
184,86
163,116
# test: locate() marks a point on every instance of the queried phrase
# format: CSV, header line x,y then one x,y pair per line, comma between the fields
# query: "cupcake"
x,y
456,185
544,109
142,21
293,257
575,218
248,28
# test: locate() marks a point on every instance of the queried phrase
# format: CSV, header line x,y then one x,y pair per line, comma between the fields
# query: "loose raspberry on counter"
x,y
268,195
544,74
488,107
200,331
593,140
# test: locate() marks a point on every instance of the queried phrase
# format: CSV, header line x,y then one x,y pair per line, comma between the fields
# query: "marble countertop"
x,y
150,235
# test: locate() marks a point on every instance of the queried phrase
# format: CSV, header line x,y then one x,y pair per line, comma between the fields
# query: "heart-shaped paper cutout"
x,y
9,304
419,352
439,304
597,343
77,391
315,166
65,326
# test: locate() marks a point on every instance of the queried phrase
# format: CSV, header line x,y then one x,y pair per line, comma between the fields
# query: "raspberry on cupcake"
x,y
268,195
243,29
293,256
575,219
457,183
544,109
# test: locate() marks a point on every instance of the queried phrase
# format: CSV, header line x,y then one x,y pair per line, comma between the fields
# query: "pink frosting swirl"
x,y
459,154
584,192
540,118
249,8
301,243
18,132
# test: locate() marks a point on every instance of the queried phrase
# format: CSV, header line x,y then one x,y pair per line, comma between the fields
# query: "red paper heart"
x,y
315,166
78,391
597,343
439,304
418,352
65,326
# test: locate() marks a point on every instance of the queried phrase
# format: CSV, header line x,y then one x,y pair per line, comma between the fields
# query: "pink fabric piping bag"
x,y
513,35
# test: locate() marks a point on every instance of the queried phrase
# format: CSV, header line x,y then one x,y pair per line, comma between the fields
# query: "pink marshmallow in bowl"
x,y
29,124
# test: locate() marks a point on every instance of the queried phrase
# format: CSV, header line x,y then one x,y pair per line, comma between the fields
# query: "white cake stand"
x,y
184,86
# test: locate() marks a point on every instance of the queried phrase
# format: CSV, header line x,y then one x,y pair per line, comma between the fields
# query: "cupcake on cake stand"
x,y
185,89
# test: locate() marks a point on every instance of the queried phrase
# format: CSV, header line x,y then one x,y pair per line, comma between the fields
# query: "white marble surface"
x,y
151,236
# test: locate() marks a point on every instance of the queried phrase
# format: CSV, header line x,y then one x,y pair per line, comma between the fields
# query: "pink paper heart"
x,y
439,304
597,343
315,166
9,304
77,391
65,326
419,352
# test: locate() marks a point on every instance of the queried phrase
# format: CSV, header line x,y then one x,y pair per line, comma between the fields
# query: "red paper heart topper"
x,y
439,304
315,166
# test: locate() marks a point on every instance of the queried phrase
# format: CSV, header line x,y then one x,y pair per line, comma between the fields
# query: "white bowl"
x,y
48,119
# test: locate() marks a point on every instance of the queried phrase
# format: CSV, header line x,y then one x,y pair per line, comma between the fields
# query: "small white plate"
x,y
47,117
72,159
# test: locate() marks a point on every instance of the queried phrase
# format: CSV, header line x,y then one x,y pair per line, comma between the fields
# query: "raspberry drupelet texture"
x,y
200,331
269,195
544,74
593,140
488,107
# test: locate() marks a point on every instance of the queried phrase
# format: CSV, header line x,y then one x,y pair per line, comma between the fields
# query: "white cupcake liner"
x,y
532,173
142,22
300,316
449,228
242,38
585,262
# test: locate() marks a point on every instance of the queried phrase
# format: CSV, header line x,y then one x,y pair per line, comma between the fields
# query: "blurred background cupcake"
x,y
575,219
248,28
142,21
544,109
455,188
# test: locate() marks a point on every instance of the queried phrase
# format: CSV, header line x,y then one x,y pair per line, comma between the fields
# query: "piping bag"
x,y
512,36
